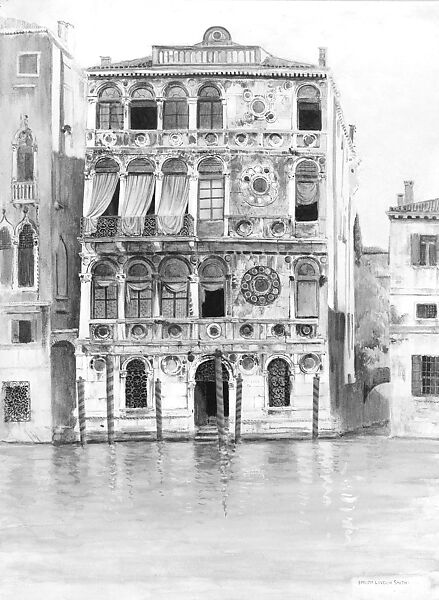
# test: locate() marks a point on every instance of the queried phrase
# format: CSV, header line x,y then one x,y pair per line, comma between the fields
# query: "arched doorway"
x,y
63,375
205,393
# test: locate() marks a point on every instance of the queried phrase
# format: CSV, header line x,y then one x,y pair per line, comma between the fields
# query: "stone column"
x,y
158,188
91,113
85,305
291,193
192,105
292,292
225,121
155,295
194,300
122,188
193,197
126,113
226,202
120,278
88,190
160,102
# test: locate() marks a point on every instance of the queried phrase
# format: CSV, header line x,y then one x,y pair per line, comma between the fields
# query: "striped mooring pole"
x,y
81,411
238,410
219,395
158,409
315,407
110,399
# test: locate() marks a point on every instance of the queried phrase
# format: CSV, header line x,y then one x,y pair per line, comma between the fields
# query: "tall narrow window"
x,y
210,108
109,109
307,191
143,109
6,256
278,383
212,287
174,198
175,298
175,109
307,289
25,155
211,190
139,196
106,187
104,292
309,112
26,256
136,384
428,250
62,275
138,291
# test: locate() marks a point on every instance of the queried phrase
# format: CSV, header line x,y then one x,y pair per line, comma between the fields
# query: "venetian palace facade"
x,y
218,214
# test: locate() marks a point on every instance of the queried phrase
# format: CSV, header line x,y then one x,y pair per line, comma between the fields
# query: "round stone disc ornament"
x,y
260,286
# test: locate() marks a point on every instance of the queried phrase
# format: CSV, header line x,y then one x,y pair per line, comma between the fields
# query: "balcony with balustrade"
x,y
118,227
24,192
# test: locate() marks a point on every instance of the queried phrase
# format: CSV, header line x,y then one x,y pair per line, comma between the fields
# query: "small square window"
x,y
28,64
426,311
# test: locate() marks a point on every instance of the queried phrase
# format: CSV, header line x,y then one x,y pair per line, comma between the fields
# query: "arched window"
x,y
6,256
307,191
175,294
210,108
212,288
136,384
278,383
309,112
109,109
104,292
25,155
138,299
106,187
61,269
210,189
307,289
143,109
175,109
26,256
139,195
174,199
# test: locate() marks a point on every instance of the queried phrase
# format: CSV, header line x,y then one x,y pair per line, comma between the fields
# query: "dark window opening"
x,y
308,212
213,304
426,311
175,114
24,332
26,259
112,209
144,115
428,250
28,64
310,116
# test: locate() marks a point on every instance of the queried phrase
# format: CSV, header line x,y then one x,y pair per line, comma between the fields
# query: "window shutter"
x,y
416,248
14,332
417,375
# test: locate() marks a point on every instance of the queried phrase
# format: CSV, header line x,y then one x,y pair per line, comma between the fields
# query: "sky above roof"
x,y
384,55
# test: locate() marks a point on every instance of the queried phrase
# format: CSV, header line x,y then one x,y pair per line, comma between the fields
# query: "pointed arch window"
x,y
26,256
309,112
307,191
6,256
210,189
136,384
210,108
175,109
307,290
61,269
138,300
278,383
174,277
109,109
212,289
143,109
104,292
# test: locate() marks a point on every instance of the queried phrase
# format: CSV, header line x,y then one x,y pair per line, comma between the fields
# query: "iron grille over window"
x,y
426,311
136,385
278,383
16,401
425,375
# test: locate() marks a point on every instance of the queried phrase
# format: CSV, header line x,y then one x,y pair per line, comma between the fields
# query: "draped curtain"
x,y
139,192
173,203
136,286
104,186
175,286
307,192
212,285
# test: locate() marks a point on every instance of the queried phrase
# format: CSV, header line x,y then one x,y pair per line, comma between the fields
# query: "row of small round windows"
x,y
248,363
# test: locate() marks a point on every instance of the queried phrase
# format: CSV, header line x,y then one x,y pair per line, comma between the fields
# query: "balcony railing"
x,y
24,191
113,227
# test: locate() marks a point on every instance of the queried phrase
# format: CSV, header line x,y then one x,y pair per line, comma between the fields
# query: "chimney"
x,y
322,57
105,61
400,199
65,31
408,192
352,130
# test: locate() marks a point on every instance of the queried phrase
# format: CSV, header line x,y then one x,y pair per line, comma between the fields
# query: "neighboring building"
x,y
41,181
218,214
414,328
377,260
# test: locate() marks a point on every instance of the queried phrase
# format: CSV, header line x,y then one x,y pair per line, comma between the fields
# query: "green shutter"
x,y
417,375
416,248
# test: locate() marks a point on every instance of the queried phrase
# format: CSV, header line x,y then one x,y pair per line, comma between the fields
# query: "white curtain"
x,y
307,192
173,203
139,192
104,186
136,287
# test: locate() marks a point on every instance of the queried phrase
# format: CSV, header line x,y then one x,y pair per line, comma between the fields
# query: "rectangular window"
x,y
175,114
306,300
16,407
28,64
426,311
430,375
105,302
174,304
22,331
211,199
428,250
140,303
110,115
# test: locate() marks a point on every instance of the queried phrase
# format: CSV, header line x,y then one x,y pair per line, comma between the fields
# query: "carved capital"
x,y
120,277
85,277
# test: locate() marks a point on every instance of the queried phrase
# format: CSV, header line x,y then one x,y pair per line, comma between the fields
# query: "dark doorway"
x,y
63,370
205,393
213,305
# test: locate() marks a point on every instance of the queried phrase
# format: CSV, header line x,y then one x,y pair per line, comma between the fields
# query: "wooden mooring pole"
x,y
315,406
238,410
110,399
219,396
158,409
81,412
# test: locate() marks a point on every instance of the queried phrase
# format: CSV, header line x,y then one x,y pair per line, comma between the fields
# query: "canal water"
x,y
350,518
